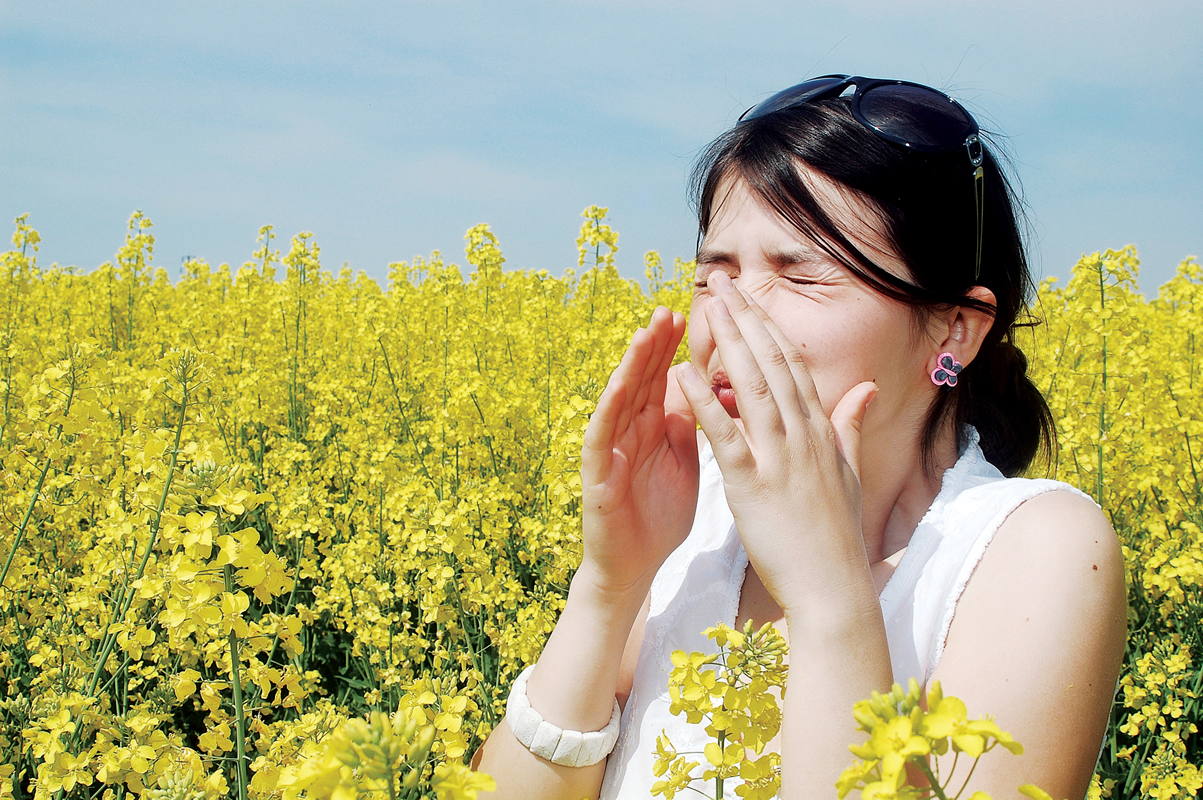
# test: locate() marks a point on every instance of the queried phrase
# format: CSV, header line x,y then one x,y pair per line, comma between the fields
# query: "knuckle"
x,y
794,356
758,388
744,461
776,358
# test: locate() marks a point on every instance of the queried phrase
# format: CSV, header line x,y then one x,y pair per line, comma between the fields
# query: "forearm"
x,y
572,687
838,655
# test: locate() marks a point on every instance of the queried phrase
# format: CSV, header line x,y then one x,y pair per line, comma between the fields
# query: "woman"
x,y
859,249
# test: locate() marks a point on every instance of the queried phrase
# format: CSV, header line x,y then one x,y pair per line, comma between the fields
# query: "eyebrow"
x,y
709,256
794,256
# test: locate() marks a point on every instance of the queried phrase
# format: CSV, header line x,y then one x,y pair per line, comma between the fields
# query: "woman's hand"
x,y
791,474
639,466
639,486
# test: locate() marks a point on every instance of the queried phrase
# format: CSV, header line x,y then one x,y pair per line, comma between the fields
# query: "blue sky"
x,y
388,129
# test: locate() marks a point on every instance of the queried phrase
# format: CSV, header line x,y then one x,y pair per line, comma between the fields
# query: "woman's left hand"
x,y
792,473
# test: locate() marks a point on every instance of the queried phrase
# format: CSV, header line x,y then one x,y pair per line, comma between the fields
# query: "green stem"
x,y
485,701
257,695
967,777
125,599
37,491
931,779
401,410
236,680
128,600
718,779
33,501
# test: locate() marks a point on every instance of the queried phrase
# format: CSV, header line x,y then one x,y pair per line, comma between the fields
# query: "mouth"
x,y
721,386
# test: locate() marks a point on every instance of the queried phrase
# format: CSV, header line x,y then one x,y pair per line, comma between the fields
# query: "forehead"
x,y
855,216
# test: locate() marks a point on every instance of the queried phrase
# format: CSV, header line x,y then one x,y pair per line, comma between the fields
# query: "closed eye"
x,y
801,281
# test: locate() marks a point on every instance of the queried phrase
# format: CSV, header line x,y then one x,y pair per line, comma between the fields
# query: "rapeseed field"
x,y
274,532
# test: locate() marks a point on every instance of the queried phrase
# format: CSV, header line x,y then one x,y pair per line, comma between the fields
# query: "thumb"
x,y
674,398
846,419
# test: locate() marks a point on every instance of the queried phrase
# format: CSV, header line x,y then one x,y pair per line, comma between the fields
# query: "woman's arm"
x,y
791,480
1037,643
573,687
1038,635
639,483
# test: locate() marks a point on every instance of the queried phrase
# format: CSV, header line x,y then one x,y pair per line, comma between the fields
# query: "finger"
x,y
660,381
729,445
597,451
677,409
768,352
680,428
847,419
760,407
641,378
628,373
659,328
674,398
793,358
676,334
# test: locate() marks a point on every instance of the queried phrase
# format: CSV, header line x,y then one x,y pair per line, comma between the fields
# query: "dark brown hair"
x,y
927,214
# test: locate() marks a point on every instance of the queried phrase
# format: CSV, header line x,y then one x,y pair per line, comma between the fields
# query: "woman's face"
x,y
846,332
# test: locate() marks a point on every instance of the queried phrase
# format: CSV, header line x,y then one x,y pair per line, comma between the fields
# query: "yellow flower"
x,y
457,782
665,754
392,475
678,779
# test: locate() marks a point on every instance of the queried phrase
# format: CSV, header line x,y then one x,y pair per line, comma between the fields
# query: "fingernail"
x,y
689,374
720,308
721,281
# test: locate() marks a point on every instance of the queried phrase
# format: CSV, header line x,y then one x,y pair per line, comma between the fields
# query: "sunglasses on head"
x,y
911,115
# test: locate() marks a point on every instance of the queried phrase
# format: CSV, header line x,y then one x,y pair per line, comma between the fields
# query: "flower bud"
x,y
420,747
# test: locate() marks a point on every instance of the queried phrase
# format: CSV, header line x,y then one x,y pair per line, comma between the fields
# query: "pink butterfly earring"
x,y
946,373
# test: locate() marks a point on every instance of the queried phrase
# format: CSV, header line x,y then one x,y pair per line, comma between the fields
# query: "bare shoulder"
x,y
1063,522
1055,553
1055,564
1038,637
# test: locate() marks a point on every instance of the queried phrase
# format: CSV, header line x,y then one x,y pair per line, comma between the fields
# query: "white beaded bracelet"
x,y
566,748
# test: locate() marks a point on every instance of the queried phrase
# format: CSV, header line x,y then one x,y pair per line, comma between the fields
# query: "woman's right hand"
x,y
639,486
639,466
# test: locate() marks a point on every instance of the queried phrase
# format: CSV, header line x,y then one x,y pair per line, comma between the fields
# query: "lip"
x,y
721,386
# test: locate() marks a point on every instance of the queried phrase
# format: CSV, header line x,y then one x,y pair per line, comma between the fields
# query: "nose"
x,y
757,290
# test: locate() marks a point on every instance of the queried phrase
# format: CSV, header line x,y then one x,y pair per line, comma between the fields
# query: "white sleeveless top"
x,y
699,584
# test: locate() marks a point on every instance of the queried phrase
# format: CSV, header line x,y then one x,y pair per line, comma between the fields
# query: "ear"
x,y
966,329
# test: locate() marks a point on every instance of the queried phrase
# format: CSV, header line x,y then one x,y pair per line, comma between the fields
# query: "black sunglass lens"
x,y
794,95
916,116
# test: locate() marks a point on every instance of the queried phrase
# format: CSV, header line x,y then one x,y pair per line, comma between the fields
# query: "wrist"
x,y
574,683
834,617
593,591
568,748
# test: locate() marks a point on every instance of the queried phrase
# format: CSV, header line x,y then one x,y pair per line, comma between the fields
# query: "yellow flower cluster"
x,y
905,729
380,757
1158,692
736,691
246,505
248,509
1123,376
